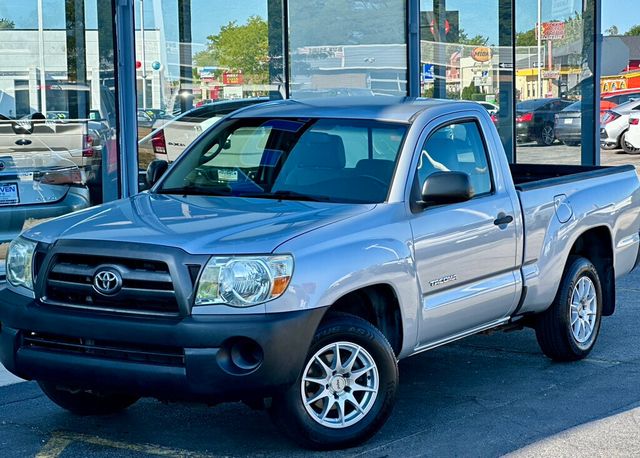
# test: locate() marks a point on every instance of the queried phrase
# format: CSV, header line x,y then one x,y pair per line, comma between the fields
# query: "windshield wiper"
x,y
192,190
287,195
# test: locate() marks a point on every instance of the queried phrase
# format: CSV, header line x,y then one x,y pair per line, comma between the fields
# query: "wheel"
x,y
85,402
547,136
567,143
626,146
568,330
346,390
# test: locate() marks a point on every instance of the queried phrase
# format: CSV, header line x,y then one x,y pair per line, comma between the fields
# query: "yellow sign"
x,y
481,54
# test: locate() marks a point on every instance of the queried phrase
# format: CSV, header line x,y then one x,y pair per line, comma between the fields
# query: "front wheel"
x,y
86,402
568,330
346,390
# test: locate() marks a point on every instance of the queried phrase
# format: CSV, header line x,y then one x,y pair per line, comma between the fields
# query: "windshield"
x,y
529,105
332,160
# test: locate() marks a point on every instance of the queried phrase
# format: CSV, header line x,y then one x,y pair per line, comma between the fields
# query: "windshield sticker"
x,y
227,175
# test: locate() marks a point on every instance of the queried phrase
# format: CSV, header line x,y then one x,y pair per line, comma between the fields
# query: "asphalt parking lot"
x,y
484,396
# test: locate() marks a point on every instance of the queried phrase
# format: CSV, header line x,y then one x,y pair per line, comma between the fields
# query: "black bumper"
x,y
200,366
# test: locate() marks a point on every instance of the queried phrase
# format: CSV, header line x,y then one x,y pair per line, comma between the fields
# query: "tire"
x,y
360,342
85,402
566,332
626,147
547,135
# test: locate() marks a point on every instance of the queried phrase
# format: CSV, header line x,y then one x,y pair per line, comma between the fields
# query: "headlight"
x,y
19,263
243,281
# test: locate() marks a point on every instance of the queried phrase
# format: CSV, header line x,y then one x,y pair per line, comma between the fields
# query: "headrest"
x,y
379,168
317,149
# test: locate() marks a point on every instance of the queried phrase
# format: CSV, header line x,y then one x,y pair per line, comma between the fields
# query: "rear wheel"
x,y
568,330
346,390
626,146
87,402
547,135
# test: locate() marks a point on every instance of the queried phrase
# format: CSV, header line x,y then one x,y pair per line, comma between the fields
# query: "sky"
x,y
209,15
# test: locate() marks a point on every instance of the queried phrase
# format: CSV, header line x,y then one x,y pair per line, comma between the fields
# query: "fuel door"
x,y
564,212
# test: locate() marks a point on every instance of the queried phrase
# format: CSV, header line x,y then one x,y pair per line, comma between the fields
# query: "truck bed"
x,y
534,176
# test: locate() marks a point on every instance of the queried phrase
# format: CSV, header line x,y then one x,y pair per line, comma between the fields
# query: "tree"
x,y
478,40
633,31
527,38
613,30
7,23
469,91
242,48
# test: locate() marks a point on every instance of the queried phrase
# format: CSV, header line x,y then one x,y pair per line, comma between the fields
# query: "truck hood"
x,y
197,224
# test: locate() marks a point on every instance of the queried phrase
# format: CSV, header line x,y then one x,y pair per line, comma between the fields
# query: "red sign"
x,y
232,78
551,30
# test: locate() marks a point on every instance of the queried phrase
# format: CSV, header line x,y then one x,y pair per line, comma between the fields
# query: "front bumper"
x,y
201,367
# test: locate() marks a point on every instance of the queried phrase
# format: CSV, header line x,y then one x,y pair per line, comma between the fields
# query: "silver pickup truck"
x,y
297,250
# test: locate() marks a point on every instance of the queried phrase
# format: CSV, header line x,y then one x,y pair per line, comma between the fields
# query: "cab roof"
x,y
380,108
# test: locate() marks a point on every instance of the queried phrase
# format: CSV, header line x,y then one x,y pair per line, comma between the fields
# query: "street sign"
x,y
427,72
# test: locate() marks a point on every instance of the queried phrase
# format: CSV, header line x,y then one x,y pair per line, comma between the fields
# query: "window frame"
x,y
414,194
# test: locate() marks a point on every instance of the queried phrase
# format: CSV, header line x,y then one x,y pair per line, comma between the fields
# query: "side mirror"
x,y
446,188
155,170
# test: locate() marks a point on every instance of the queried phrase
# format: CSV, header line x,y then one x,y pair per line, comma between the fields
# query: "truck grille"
x,y
150,354
146,286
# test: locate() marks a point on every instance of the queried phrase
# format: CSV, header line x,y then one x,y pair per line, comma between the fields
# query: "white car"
x,y
175,135
492,108
633,134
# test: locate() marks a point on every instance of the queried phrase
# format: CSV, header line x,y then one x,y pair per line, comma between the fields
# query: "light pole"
x,y
539,30
142,56
43,77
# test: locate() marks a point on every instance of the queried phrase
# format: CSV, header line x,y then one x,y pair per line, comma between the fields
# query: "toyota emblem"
x,y
107,281
2,165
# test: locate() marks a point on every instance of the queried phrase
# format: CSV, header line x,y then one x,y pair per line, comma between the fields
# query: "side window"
x,y
459,148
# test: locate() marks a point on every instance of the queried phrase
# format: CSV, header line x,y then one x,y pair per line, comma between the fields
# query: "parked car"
x,y
611,100
535,120
633,134
37,185
492,108
298,250
568,124
175,135
614,126
144,119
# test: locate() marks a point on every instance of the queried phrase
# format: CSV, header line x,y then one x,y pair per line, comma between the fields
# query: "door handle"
x,y
503,220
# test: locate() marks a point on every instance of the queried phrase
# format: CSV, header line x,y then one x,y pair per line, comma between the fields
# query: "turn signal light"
x,y
634,121
158,142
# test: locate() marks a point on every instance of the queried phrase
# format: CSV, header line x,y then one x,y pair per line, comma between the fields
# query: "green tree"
x,y
469,91
242,48
477,40
7,23
633,31
527,38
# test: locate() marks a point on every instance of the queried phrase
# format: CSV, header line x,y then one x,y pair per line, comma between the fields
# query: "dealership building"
x,y
120,69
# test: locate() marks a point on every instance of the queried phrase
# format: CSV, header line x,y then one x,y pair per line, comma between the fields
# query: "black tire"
x,y
84,402
554,328
626,147
547,135
288,409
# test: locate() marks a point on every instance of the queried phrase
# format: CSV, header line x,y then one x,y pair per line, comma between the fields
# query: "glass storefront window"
x,y
58,148
197,61
342,47
465,54
554,80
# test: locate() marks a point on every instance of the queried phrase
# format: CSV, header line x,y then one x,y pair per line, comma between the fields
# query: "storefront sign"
x,y
481,54
551,30
550,74
232,78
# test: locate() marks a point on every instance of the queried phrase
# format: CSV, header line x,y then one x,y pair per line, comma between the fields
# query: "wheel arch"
x,y
596,245
379,305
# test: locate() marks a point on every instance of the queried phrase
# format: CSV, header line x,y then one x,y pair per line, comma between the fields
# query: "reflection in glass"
x,y
193,67
58,149
341,47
